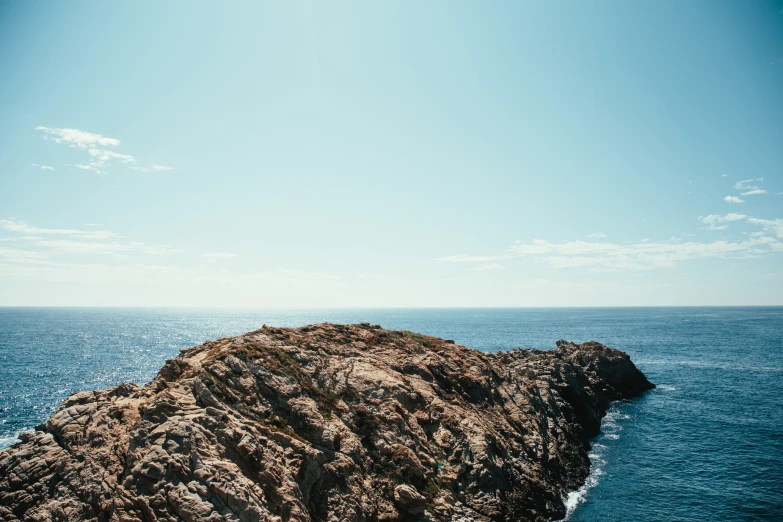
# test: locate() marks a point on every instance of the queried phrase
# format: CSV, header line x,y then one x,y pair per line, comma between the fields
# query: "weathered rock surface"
x,y
324,423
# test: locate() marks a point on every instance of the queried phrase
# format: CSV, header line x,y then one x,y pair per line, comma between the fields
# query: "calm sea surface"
x,y
707,444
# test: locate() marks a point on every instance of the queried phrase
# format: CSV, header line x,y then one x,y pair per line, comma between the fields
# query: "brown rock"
x,y
409,499
324,422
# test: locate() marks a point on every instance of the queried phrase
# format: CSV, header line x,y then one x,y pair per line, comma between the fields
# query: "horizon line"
x,y
195,307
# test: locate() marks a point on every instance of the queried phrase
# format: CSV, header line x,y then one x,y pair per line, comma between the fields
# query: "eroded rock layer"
x,y
324,423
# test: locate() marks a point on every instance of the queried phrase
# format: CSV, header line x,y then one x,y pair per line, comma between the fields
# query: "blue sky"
x,y
305,154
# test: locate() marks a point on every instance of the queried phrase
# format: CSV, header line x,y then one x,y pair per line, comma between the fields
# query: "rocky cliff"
x,y
324,423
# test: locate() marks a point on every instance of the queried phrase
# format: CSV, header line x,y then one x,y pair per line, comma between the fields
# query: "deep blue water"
x,y
707,444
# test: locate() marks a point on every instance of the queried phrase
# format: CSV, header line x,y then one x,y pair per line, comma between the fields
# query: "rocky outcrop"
x,y
324,423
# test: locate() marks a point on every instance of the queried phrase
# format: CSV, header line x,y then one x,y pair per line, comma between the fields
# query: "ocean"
x,y
706,444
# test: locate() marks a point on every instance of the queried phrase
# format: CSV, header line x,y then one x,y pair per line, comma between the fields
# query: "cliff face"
x,y
324,423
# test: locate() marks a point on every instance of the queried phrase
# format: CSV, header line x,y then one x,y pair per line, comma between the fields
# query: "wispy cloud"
x,y
77,138
76,241
21,227
712,221
463,258
73,246
643,255
43,167
18,255
489,266
733,199
291,276
218,255
154,168
90,166
638,256
745,183
157,275
101,158
774,226
596,234
59,255
749,188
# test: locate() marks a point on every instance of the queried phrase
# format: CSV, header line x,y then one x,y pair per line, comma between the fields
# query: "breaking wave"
x,y
610,431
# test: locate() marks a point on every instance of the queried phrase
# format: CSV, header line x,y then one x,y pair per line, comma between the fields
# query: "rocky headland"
x,y
324,423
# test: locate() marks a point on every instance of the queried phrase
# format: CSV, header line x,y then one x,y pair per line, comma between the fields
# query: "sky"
x,y
383,154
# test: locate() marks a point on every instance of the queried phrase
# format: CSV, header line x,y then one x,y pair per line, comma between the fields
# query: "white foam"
x,y
6,441
666,387
579,496
597,462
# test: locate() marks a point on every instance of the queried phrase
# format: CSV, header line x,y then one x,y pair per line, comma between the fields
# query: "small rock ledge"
x,y
324,423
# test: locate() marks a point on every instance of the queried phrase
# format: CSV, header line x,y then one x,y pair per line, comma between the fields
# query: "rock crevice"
x,y
324,423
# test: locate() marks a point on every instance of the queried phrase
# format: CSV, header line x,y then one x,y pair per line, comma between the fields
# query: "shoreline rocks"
x,y
324,423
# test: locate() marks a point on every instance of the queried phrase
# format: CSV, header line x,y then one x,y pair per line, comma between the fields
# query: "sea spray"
x,y
610,432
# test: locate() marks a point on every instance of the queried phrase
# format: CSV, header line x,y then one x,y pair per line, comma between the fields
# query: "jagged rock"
x,y
327,423
409,499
